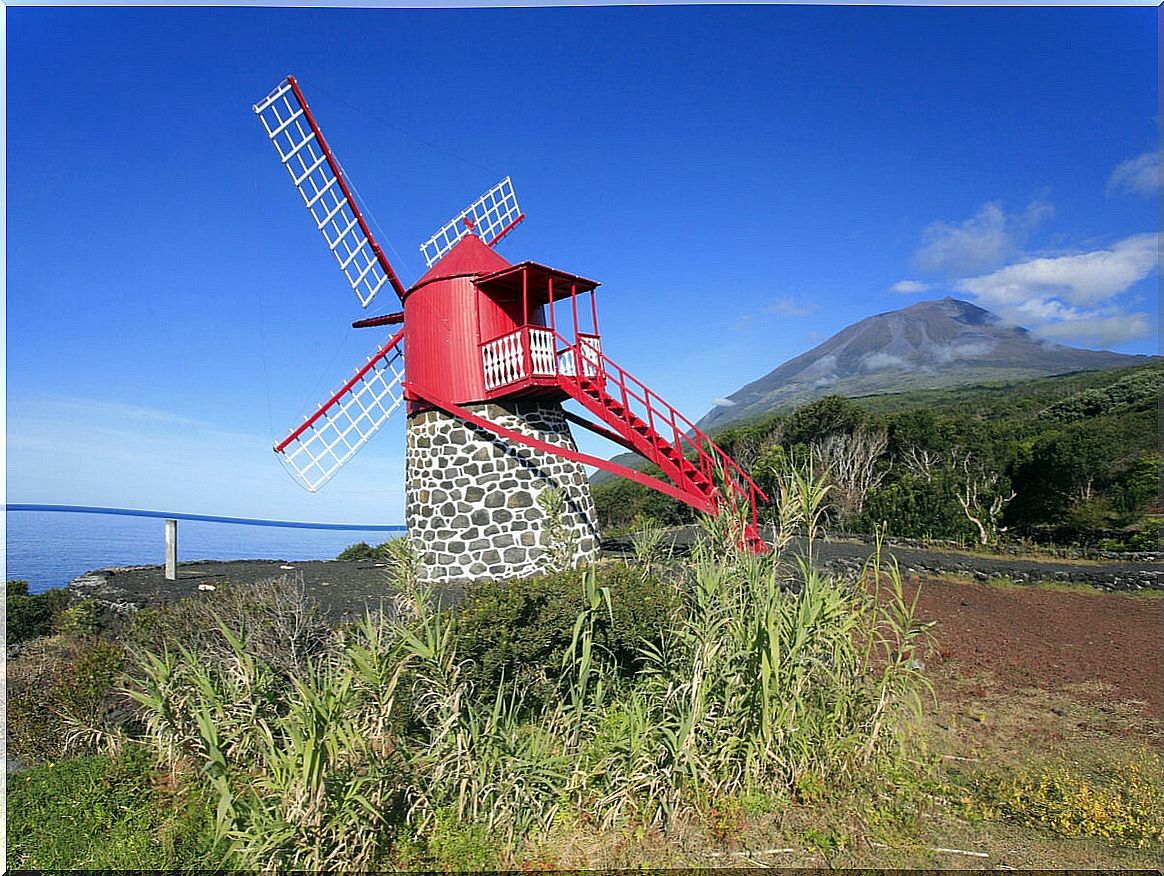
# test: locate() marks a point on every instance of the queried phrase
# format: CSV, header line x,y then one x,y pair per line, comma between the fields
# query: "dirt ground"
x,y
1093,646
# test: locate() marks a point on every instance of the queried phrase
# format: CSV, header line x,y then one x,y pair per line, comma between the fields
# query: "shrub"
x,y
1126,806
361,550
281,624
769,674
102,813
32,615
601,691
79,619
56,688
518,630
1149,538
303,770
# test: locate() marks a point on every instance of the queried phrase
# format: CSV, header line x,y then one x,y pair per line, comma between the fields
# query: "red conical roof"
x,y
469,256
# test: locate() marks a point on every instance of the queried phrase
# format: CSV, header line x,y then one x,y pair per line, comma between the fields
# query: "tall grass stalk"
x,y
773,672
301,767
470,755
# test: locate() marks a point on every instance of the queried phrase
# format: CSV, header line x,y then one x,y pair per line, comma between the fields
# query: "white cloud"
x,y
984,241
885,361
1083,279
1104,330
786,305
1072,296
946,353
910,287
824,366
1136,176
723,402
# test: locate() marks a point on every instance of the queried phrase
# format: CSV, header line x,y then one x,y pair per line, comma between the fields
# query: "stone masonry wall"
x,y
472,498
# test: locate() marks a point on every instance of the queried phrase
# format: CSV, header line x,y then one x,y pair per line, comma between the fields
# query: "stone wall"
x,y
472,498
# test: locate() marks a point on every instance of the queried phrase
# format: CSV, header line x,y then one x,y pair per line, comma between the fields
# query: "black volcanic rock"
x,y
927,345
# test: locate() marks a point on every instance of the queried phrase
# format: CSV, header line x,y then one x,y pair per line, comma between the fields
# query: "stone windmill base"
x,y
473,508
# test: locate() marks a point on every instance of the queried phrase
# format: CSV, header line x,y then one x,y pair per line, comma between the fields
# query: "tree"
x,y
823,417
983,494
852,462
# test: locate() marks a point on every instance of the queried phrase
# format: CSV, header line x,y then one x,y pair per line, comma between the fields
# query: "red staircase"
x,y
658,432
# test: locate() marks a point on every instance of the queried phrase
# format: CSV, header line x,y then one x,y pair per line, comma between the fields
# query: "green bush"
x,y
621,505
914,507
57,687
96,812
275,617
32,615
518,630
597,694
361,550
1149,538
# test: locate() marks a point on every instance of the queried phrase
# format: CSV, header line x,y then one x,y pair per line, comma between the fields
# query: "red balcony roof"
x,y
507,282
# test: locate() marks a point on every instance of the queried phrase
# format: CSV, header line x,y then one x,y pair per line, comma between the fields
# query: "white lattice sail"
x,y
315,173
490,217
319,447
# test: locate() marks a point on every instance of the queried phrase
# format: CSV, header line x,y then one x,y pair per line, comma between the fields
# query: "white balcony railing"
x,y
529,352
503,360
591,350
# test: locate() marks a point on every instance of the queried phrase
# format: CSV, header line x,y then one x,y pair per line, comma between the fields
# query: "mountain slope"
x,y
930,344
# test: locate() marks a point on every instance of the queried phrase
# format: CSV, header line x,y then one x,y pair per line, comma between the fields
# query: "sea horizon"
x,y
49,549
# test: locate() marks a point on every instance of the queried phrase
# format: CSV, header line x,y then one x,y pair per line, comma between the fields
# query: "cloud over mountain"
x,y
1072,296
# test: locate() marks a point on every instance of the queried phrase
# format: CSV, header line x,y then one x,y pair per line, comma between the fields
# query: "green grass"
x,y
96,812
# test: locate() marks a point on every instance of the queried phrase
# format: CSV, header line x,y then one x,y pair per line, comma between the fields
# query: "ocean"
x,y
51,548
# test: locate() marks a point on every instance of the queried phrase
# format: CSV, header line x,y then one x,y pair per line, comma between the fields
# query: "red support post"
x,y
526,354
594,310
550,288
525,297
574,306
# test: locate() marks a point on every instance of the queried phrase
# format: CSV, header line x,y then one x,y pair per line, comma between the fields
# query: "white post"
x,y
171,550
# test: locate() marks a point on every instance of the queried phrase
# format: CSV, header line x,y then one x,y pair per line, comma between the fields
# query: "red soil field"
x,y
1053,640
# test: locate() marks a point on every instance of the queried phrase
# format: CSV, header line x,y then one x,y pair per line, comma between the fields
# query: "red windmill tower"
x,y
494,349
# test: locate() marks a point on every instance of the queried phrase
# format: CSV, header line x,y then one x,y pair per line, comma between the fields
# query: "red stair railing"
x,y
625,401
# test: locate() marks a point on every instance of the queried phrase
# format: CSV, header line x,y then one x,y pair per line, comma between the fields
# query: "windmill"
x,y
493,349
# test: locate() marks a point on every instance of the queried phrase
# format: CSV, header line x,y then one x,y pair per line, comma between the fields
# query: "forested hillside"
x,y
1066,458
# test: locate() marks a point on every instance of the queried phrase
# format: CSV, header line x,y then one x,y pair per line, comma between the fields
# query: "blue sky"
x,y
744,181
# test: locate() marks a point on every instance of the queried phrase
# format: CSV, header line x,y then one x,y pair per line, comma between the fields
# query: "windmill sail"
x,y
490,217
320,446
317,177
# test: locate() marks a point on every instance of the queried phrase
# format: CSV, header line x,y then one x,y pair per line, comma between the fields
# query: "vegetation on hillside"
x,y
1068,458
